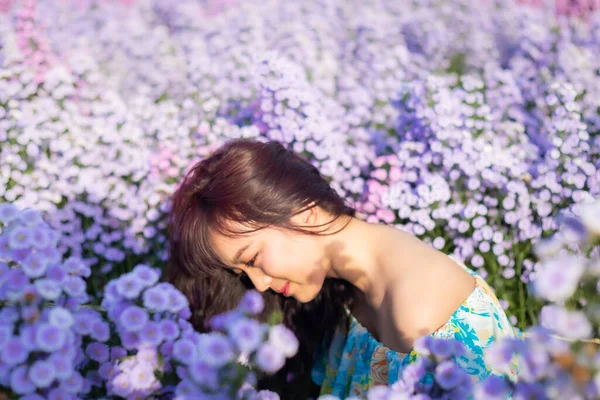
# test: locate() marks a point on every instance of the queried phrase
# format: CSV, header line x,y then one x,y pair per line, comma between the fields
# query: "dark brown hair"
x,y
257,184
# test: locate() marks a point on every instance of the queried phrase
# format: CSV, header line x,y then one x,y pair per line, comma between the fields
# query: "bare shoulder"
x,y
423,294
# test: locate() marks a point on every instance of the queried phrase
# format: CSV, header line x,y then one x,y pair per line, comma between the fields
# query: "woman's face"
x,y
277,259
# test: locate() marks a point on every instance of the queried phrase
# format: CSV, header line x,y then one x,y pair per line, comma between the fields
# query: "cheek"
x,y
286,259
274,259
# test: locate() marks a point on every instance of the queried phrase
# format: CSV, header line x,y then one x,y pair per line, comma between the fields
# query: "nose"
x,y
259,279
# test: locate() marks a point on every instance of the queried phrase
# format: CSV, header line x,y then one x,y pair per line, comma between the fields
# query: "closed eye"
x,y
250,263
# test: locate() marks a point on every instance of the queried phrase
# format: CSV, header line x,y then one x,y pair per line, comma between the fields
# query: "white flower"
x,y
284,339
557,278
548,247
590,216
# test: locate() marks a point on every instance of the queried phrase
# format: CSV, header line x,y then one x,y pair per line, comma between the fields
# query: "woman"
x,y
356,294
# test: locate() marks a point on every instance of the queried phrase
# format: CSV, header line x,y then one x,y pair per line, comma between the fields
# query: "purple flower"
x,y
56,273
20,381
216,349
71,352
63,367
247,334
269,358
27,335
108,370
223,320
20,237
100,331
493,387
74,266
169,329
155,299
4,272
448,375
203,373
8,212
111,294
500,354
47,288
40,237
185,351
30,217
42,373
414,372
31,396
98,352
34,265
527,390
176,301
133,318
252,303
83,322
14,352
129,286
151,334
5,249
9,314
442,348
49,338
185,313
54,256
17,280
423,344
30,313
147,275
73,384
166,349
5,334
74,286
187,390
117,352
58,394
130,340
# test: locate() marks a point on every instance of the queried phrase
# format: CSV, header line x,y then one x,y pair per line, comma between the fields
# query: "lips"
x,y
285,289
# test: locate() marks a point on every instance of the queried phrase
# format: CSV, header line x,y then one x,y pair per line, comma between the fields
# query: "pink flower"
x,y
386,215
394,174
379,174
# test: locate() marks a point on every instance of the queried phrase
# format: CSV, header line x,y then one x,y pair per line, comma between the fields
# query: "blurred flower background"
x,y
471,124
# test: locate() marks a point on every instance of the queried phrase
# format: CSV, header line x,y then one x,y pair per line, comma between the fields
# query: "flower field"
x,y
474,125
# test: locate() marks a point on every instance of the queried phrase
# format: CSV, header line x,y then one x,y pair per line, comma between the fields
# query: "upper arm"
x,y
410,320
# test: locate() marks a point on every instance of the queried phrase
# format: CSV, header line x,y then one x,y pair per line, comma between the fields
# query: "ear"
x,y
310,217
306,217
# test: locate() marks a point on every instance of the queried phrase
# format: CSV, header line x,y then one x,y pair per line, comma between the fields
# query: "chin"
x,y
303,298
307,294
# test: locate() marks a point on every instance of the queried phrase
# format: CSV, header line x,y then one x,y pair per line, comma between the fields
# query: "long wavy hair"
x,y
257,184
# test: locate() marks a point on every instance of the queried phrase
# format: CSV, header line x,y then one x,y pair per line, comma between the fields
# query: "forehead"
x,y
226,245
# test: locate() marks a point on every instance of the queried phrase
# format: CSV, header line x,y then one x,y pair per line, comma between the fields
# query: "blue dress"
x,y
355,361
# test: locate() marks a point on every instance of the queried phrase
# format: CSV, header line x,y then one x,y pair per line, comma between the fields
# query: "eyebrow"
x,y
236,259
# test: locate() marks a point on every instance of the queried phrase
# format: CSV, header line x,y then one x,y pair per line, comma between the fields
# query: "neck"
x,y
353,255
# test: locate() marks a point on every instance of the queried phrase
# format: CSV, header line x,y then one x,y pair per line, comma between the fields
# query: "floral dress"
x,y
357,361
